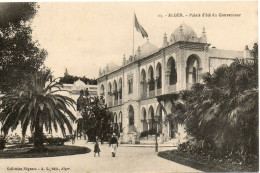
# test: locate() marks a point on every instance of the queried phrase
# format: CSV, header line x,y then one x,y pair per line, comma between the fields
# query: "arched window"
x,y
151,80
159,75
192,70
120,88
143,84
115,93
115,125
131,115
144,120
130,84
109,87
152,123
159,112
109,94
120,120
171,68
102,90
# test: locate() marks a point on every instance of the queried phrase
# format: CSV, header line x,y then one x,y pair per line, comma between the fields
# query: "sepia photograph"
x,y
134,87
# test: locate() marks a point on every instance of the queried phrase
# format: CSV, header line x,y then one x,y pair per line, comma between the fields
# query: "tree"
x,y
69,79
222,113
255,51
37,105
95,119
20,55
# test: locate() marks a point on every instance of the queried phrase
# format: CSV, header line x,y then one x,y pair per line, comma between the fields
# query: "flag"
x,y
139,28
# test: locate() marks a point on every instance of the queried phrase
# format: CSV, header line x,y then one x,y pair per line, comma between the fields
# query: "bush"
x,y
149,132
2,143
144,134
55,141
16,139
222,112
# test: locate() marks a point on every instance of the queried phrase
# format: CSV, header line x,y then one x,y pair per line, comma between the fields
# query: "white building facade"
x,y
131,91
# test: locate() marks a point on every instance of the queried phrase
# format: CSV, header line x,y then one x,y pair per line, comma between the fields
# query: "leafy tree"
x,y
222,113
95,119
37,105
255,50
19,54
69,79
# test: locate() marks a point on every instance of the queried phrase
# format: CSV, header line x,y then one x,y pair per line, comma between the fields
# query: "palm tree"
x,y
37,104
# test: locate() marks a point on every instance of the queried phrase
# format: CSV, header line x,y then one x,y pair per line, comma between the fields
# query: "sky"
x,y
84,36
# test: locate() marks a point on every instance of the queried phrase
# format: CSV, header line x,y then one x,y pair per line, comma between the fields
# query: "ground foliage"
x,y
96,118
20,55
27,151
208,162
221,115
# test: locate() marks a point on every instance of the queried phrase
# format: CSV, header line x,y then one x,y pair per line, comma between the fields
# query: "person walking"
x,y
96,149
114,144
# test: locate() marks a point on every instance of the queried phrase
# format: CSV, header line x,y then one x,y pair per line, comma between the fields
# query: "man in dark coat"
x,y
114,144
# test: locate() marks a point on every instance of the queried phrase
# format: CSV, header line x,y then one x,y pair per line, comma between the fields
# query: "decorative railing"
x,y
152,93
120,101
143,95
171,88
159,91
115,102
110,104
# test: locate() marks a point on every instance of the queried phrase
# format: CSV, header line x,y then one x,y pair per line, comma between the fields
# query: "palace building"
x,y
138,92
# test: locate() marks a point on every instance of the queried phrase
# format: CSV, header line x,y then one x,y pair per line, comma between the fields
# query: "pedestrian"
x,y
73,138
114,144
96,149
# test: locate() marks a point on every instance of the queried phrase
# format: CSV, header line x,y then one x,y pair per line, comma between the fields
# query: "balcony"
x,y
116,103
170,88
143,95
151,93
110,103
120,101
159,91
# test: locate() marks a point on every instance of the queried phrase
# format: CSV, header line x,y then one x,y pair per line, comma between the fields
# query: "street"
x,y
128,159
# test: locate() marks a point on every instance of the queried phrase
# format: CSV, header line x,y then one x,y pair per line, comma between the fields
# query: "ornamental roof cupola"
x,y
203,38
184,33
165,42
79,85
138,52
181,34
100,72
146,49
124,60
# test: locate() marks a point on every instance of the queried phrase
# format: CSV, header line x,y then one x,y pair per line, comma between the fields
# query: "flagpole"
x,y
133,35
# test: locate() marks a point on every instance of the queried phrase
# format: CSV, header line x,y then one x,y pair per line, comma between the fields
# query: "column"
x,y
199,75
155,87
190,79
148,87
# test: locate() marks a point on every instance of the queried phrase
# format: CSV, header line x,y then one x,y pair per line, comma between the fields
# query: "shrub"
x,y
222,113
2,143
144,134
149,132
55,141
